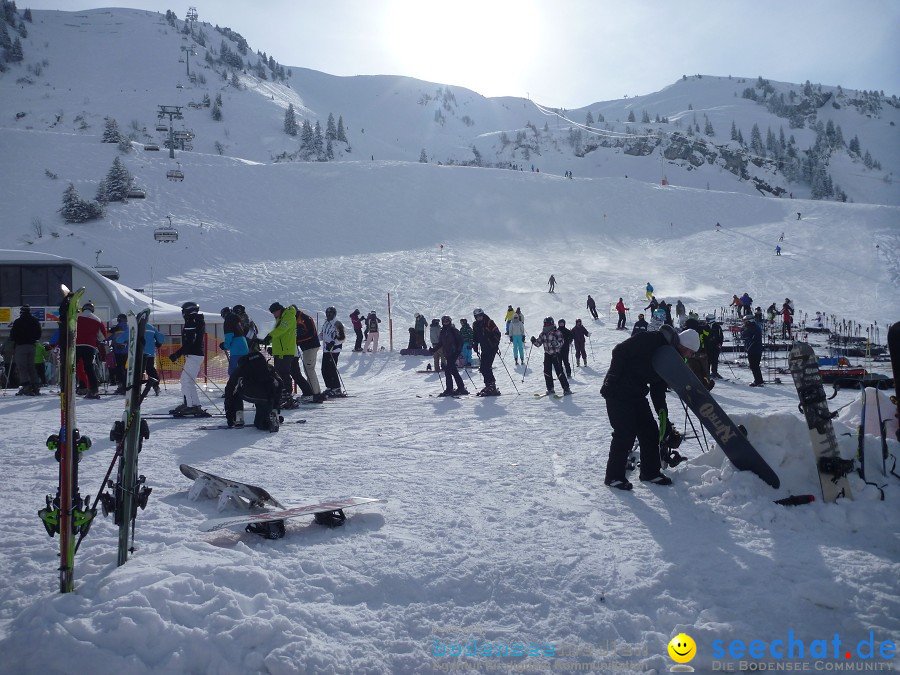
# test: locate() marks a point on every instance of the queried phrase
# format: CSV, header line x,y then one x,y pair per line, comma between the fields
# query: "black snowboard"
x,y
814,406
671,367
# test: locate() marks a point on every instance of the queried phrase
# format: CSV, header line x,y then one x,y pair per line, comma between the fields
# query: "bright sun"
x,y
476,44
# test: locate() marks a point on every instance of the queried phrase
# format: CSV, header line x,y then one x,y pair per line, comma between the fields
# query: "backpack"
x,y
339,330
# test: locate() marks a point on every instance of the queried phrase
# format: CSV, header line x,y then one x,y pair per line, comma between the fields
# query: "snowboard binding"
x,y
270,530
836,467
330,518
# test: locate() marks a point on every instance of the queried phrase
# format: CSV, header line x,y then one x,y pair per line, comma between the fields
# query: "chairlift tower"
x,y
173,112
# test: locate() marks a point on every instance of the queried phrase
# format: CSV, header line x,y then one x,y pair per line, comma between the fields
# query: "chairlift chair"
x,y
175,174
165,234
108,271
162,127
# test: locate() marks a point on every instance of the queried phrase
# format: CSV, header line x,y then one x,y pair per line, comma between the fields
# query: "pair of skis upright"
x,y
68,515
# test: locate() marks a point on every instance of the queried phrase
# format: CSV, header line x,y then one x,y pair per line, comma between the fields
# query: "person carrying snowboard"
x,y
331,334
621,309
487,342
592,307
579,335
628,381
551,339
450,345
256,382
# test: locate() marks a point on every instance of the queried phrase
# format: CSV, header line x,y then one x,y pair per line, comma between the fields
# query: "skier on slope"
x,y
629,379
654,304
468,337
567,342
517,337
551,339
487,340
579,335
356,321
256,382
308,343
89,335
451,342
332,335
621,309
649,292
552,284
509,315
592,307
283,338
372,322
235,343
193,334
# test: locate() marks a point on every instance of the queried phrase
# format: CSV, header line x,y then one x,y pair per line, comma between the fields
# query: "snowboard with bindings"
x,y
66,515
215,487
832,468
270,524
672,369
213,427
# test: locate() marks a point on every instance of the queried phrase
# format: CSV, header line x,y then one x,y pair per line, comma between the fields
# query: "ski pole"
x,y
507,371
340,379
526,361
194,380
591,345
687,416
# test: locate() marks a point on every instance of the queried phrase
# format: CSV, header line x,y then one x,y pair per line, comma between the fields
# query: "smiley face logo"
x,y
682,648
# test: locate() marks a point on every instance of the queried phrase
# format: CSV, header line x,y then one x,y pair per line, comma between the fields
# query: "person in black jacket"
x,y
256,382
25,332
640,326
487,340
451,343
193,343
714,345
629,378
564,350
751,334
592,307
309,344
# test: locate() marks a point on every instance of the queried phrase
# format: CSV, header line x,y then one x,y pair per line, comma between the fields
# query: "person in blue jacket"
x,y
120,350
235,341
152,339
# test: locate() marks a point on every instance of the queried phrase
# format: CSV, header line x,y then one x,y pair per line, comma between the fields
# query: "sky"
x,y
567,54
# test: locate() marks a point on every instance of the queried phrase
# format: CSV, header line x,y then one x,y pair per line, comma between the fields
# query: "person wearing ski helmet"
x,y
579,336
450,345
468,336
564,350
552,340
235,344
283,338
630,378
332,335
193,337
90,333
372,322
517,337
487,342
119,334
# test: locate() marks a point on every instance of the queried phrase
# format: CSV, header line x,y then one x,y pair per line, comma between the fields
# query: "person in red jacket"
x,y
787,318
621,309
89,334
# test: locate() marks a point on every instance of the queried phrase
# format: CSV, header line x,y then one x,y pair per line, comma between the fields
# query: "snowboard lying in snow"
x,y
214,486
270,524
671,368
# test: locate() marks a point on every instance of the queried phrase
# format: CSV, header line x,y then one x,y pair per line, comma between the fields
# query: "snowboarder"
x,y
751,334
89,334
356,320
781,238
579,335
777,250
592,307
486,341
649,292
552,284
235,343
517,337
420,324
283,339
798,215
256,382
450,345
621,309
564,350
24,334
467,335
629,378
718,227
640,326
308,344
372,322
331,335
193,334
552,340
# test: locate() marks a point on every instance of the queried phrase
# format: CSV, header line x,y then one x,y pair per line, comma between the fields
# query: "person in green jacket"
x,y
283,339
41,357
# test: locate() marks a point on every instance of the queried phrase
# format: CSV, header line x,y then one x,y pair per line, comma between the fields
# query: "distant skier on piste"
x,y
193,334
451,343
551,339
552,284
487,341
592,307
628,381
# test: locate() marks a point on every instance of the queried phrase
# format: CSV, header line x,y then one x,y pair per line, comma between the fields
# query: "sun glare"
x,y
466,43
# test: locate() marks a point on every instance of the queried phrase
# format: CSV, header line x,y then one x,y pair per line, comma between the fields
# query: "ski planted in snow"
x,y
66,515
832,468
